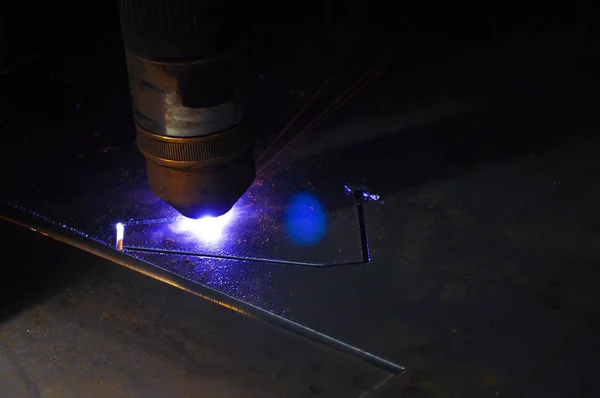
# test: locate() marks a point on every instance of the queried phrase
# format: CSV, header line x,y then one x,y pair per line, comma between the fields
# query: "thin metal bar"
x,y
60,234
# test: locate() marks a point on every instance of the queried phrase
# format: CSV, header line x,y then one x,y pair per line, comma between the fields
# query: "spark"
x,y
364,191
120,235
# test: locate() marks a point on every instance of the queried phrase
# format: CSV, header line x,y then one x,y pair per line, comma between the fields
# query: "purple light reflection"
x,y
256,228
206,229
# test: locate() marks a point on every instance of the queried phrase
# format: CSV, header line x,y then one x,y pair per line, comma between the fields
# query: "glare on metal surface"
x,y
207,229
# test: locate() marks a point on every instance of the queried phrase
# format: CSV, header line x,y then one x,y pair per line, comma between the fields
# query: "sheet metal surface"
x,y
485,199
90,328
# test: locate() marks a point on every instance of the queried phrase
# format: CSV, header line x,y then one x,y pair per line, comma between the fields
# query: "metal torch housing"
x,y
189,88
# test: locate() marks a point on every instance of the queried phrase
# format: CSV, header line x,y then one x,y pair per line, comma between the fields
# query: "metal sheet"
x,y
96,329
477,220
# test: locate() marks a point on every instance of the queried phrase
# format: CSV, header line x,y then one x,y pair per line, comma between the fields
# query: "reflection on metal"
x,y
167,104
237,258
208,229
305,219
70,237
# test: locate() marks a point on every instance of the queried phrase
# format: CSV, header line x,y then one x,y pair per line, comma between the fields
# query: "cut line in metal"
x,y
359,199
62,234
237,258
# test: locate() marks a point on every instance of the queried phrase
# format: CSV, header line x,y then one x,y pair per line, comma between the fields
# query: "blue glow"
x,y
306,220
370,196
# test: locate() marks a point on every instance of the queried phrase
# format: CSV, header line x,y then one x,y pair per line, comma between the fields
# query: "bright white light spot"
x,y
207,229
120,231
120,234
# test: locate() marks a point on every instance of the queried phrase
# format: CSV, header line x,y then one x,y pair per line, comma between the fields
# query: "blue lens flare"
x,y
306,220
